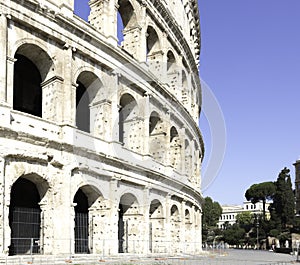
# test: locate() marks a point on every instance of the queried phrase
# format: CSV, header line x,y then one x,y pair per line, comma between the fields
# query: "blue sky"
x,y
250,59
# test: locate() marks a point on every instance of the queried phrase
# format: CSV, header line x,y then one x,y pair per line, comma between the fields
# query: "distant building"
x,y
230,212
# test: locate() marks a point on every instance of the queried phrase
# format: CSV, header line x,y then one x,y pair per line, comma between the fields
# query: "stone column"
x,y
98,226
146,116
2,205
103,17
168,237
100,119
115,108
167,126
52,95
182,234
10,80
69,89
46,236
3,56
113,219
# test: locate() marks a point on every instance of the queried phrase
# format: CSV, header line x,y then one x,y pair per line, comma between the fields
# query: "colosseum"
x,y
100,147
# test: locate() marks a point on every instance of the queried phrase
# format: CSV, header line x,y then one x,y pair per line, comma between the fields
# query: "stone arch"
x,y
127,13
87,98
128,220
152,41
156,227
185,90
129,124
36,52
156,136
175,227
32,67
175,149
171,61
85,199
25,222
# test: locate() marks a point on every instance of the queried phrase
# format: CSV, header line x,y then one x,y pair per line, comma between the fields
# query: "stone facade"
x,y
100,147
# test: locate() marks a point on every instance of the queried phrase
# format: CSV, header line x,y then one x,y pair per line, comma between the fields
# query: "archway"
x,y
81,222
175,228
126,20
87,93
156,137
175,149
156,227
24,217
32,67
27,94
127,230
128,124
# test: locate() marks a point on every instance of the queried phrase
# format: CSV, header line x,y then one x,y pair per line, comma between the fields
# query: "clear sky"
x,y
250,60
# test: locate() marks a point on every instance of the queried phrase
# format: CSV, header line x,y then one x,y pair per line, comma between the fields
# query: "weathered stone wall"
x,y
137,160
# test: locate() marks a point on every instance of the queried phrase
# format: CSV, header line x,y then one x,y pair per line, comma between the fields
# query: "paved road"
x,y
248,257
228,257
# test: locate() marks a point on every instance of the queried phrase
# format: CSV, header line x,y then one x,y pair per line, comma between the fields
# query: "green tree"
x,y
234,235
261,192
283,206
245,220
211,212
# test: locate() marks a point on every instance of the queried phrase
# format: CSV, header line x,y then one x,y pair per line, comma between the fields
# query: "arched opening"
x,y
171,62
156,137
152,41
24,218
185,91
82,108
32,67
126,20
127,230
81,222
27,94
175,228
156,227
175,149
87,92
128,124
172,74
188,230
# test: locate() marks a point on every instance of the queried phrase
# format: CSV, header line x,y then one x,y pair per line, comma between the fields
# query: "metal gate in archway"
x,y
81,233
25,226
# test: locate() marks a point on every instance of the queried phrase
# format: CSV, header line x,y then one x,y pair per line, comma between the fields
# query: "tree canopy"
x,y
261,192
283,206
211,212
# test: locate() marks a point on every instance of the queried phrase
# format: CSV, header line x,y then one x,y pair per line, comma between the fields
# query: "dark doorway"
x,y
82,108
24,218
81,222
122,230
27,95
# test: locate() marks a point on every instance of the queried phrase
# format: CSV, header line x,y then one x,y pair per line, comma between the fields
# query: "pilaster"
x,y
3,56
103,17
52,103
